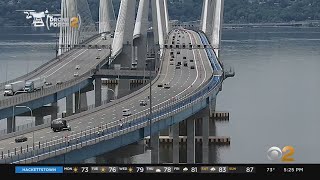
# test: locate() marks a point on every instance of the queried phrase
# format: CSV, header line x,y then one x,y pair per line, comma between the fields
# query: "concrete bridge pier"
x,y
190,140
69,105
38,119
176,146
212,106
54,114
155,148
97,91
11,124
80,101
205,139
123,88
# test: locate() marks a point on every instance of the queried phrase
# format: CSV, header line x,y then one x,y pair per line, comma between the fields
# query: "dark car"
x,y
21,139
60,125
143,103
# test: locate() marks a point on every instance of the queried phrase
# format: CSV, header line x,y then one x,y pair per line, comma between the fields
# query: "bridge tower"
x,y
81,25
211,21
106,16
139,51
68,36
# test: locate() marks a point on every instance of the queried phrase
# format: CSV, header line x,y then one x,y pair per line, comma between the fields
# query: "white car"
x,y
126,112
99,49
167,86
77,67
76,74
143,103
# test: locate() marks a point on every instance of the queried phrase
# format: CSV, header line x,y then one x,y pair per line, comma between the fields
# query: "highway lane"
x,y
182,81
64,69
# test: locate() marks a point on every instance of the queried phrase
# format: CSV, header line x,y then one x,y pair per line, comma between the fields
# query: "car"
x,y
77,67
179,63
76,74
47,83
160,85
112,35
184,57
99,49
178,52
171,63
59,82
143,103
98,57
60,125
21,139
191,60
171,60
191,67
166,86
185,64
178,67
126,112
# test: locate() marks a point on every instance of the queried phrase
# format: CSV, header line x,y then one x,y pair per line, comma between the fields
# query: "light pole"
x,y
6,71
31,116
114,94
150,103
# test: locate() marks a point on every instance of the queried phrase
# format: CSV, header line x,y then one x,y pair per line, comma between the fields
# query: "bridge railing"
x,y
76,140
39,69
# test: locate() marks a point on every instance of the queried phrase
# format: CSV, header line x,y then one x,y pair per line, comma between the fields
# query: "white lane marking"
x,y
55,137
48,132
79,122
11,142
1,148
42,137
89,122
61,66
30,137
114,118
76,127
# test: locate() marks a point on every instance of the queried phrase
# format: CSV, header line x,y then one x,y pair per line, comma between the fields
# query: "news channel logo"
x,y
283,155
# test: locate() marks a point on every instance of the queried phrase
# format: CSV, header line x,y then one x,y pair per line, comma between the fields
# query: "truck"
x,y
60,125
12,88
33,85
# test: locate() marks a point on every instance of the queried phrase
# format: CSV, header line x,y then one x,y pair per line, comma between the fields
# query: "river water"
x,y
273,100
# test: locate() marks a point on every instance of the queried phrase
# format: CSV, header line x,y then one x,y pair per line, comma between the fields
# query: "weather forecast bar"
x,y
161,169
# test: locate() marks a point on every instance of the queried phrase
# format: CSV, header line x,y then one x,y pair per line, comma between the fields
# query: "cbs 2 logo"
x,y
275,153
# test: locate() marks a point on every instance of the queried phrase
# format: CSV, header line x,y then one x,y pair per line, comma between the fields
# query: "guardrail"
x,y
36,71
54,147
